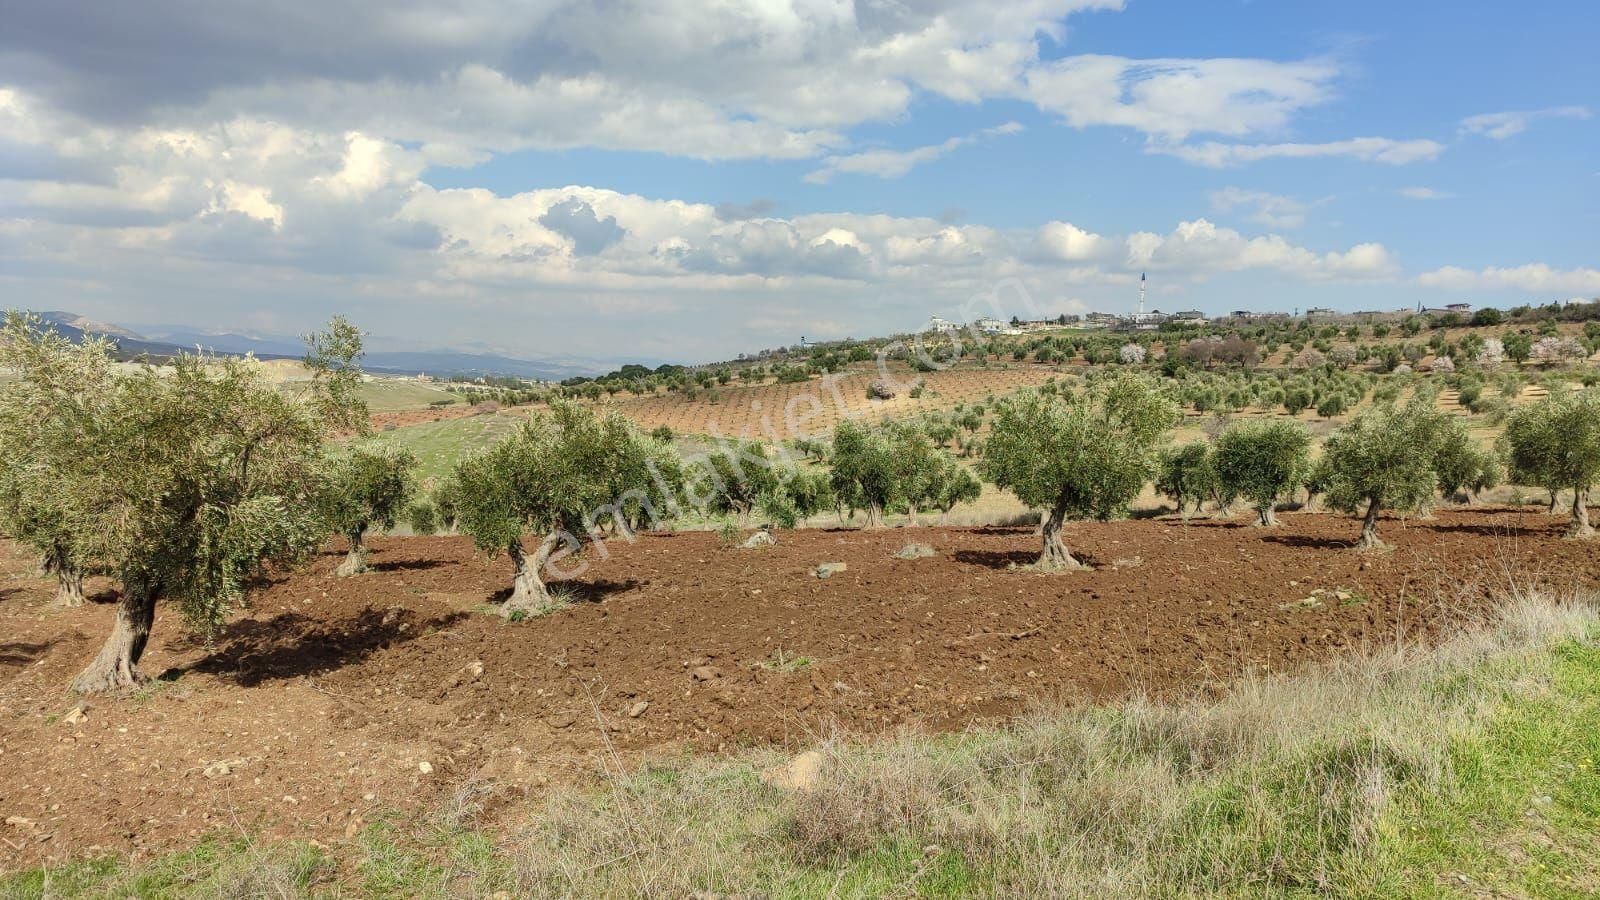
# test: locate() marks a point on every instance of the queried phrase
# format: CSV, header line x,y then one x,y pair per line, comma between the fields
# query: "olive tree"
x,y
68,388
1461,465
1262,461
188,481
1383,459
1186,475
734,478
1556,443
551,477
1085,456
949,485
799,492
365,487
864,470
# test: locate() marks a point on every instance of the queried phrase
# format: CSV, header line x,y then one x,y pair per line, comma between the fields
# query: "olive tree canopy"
x,y
1556,443
1085,456
1262,461
1187,475
365,487
554,477
65,392
185,481
1384,459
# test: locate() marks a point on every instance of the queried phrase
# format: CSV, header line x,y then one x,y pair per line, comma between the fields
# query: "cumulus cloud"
x,y
578,221
1068,242
895,163
1200,248
1368,149
1534,277
1501,125
1424,193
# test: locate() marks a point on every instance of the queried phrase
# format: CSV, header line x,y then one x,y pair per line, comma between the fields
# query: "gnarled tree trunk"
x,y
69,580
1579,527
355,562
1369,528
528,593
1055,555
1265,515
117,665
1552,501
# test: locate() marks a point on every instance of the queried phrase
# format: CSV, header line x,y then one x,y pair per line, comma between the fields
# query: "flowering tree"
x,y
1552,350
1491,354
1309,358
1131,354
1443,365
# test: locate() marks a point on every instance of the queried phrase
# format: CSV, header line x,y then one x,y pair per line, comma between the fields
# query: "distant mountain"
x,y
167,340
227,342
63,319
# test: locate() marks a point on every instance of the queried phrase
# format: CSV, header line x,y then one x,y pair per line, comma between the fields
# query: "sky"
x,y
674,180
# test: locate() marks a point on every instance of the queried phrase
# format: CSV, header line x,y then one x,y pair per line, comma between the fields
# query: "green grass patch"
x,y
396,396
438,445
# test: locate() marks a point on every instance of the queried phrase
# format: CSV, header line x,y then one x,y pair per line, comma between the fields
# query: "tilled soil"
x,y
334,699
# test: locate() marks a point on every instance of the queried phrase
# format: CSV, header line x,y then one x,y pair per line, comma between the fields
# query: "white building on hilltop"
x,y
941,326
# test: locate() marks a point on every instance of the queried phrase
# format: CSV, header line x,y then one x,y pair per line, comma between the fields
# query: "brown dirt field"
x,y
403,417
313,711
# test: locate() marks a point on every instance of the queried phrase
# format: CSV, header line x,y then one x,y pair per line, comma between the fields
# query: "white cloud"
x,y
1174,98
1502,125
1533,277
895,163
1200,249
1271,210
1368,149
1067,242
1424,193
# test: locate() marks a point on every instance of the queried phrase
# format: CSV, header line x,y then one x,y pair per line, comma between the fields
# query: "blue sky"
x,y
679,180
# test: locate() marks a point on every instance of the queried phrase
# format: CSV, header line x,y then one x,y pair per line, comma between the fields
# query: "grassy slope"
x,y
392,396
439,444
1467,772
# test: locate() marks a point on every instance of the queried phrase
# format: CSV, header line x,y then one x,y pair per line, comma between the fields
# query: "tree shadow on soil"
x,y
1308,542
1003,529
407,565
997,559
1494,530
17,654
292,645
578,591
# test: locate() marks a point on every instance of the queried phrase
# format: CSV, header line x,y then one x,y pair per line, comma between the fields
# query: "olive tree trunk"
x,y
1369,528
874,515
528,592
69,580
1579,527
355,562
1055,555
117,665
1266,517
911,514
